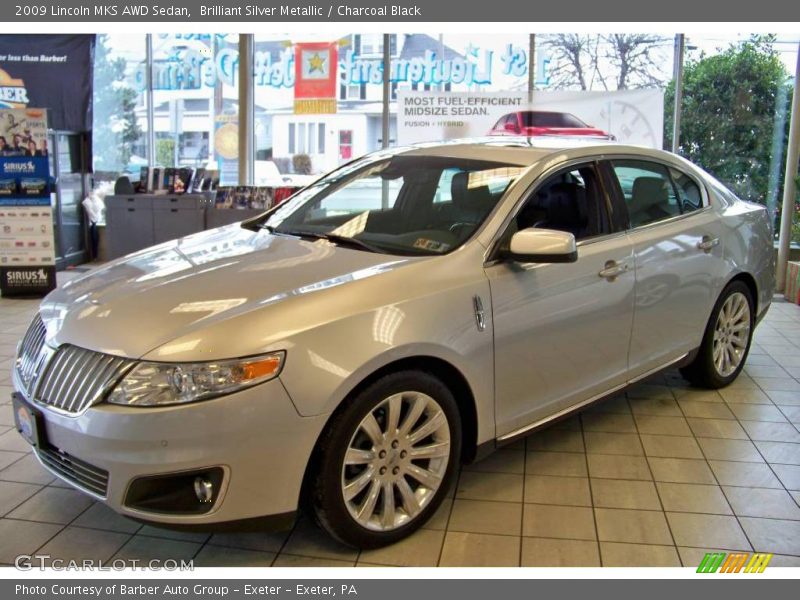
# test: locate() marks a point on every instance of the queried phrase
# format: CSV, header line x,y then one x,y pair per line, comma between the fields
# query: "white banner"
x,y
630,116
26,236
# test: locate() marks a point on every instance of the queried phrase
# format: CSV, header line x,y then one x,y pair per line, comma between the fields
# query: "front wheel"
x,y
727,339
387,460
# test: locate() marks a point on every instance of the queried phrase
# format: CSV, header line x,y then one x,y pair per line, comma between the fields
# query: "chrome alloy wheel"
x,y
396,461
731,334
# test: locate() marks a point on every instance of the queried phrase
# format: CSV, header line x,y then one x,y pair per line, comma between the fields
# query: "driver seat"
x,y
471,205
566,209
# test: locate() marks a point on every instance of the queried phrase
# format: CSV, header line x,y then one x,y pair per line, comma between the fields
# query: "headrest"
x,y
648,191
464,196
565,205
458,186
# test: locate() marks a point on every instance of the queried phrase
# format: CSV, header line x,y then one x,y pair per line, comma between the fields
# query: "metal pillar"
x,y
789,186
680,43
246,109
151,133
531,66
385,131
387,86
441,58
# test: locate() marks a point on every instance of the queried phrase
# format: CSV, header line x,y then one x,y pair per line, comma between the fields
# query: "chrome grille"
x,y
79,472
32,354
75,378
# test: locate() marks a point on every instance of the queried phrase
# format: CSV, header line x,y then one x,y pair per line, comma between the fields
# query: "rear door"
x,y
677,244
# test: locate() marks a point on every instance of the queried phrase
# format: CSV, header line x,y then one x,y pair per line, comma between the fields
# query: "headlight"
x,y
161,384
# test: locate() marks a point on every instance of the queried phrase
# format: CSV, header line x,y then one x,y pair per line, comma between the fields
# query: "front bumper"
x,y
256,436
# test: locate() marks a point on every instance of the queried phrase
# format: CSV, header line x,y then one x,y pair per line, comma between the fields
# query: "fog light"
x,y
188,493
203,489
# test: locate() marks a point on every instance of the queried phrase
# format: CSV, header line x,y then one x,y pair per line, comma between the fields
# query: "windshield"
x,y
551,119
398,205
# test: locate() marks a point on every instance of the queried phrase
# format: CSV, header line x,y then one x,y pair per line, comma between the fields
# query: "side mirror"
x,y
511,128
542,246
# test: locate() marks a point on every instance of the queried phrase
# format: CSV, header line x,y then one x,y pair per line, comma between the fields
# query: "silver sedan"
x,y
413,309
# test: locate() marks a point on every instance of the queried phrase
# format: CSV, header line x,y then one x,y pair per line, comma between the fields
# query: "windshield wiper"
x,y
334,238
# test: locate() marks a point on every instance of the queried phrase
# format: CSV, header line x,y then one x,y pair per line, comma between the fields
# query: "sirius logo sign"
x,y
37,277
13,93
19,168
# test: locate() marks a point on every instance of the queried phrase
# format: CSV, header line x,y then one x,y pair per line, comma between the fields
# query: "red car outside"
x,y
538,122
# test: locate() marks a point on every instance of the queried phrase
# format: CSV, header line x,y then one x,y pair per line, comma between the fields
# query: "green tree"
x,y
728,115
165,152
115,127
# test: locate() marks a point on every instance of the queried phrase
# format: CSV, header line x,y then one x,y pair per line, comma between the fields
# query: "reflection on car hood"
x,y
144,300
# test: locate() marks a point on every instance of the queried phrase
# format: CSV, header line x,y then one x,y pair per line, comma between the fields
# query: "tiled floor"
x,y
655,477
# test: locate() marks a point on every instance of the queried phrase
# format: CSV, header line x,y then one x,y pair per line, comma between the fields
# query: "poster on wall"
x,y
53,72
627,116
315,78
27,252
226,147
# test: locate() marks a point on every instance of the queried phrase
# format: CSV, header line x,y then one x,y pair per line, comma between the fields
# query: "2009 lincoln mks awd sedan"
x,y
411,310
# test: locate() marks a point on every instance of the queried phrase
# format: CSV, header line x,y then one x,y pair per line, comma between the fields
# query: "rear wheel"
x,y
387,460
726,341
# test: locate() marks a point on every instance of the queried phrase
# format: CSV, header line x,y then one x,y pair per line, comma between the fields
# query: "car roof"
x,y
522,150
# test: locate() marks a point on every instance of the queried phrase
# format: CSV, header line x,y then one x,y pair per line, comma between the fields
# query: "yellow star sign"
x,y
316,63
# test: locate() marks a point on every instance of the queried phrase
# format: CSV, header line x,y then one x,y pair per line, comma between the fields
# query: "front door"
x,y
345,145
562,330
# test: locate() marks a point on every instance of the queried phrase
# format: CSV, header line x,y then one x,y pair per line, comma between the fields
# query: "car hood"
x,y
144,300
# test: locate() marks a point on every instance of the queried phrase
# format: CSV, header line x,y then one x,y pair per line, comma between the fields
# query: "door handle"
x,y
612,269
707,243
480,315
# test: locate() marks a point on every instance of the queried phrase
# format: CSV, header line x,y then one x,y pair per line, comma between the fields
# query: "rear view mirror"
x,y
542,246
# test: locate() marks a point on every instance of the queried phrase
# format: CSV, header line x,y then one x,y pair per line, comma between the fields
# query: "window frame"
x,y
616,227
618,197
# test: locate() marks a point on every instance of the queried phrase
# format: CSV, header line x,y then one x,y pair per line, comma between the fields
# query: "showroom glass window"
x,y
735,111
119,117
196,102
490,63
311,144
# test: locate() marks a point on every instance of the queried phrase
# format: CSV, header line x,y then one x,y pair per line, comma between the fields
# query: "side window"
x,y
572,201
511,120
647,190
688,191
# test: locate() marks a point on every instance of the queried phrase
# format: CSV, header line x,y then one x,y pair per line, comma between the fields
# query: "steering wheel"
x,y
459,225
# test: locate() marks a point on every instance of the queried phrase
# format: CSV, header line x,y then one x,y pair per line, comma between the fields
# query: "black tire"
x,y
702,371
326,486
